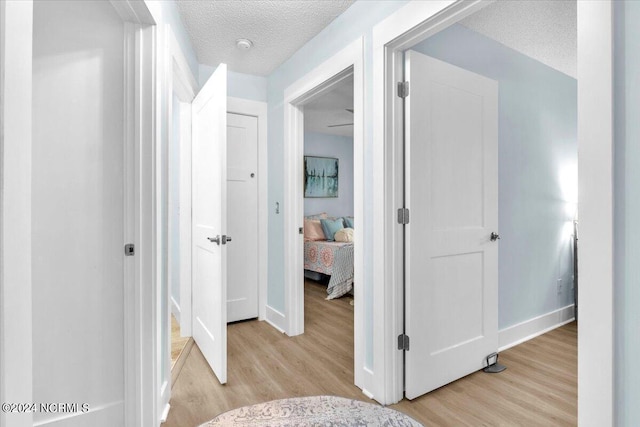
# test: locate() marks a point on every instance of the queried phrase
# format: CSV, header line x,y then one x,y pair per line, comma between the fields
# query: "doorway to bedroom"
x,y
311,94
328,190
329,213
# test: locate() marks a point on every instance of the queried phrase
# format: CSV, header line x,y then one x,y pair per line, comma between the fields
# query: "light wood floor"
x,y
177,342
539,387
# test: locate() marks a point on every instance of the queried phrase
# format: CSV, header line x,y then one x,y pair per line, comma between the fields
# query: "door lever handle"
x,y
494,236
225,239
215,239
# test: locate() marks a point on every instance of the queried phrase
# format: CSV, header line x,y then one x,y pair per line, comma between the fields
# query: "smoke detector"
x,y
244,44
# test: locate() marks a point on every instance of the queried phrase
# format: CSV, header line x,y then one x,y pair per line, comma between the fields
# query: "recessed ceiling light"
x,y
244,44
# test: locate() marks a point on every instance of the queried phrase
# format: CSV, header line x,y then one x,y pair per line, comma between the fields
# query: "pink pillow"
x,y
313,230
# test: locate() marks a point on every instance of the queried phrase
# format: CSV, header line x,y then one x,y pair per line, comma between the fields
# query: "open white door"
x,y
209,148
451,158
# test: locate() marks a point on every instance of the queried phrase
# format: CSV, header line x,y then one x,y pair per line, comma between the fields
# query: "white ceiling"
x,y
277,29
541,29
331,109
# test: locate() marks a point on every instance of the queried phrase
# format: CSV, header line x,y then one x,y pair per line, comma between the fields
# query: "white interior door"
x,y
209,311
451,158
242,210
80,220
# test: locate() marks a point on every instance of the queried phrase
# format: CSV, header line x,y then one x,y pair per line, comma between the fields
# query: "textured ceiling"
x,y
544,30
277,29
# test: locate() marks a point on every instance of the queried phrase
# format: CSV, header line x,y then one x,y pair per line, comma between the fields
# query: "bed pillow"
x,y
344,235
330,226
322,215
348,221
313,229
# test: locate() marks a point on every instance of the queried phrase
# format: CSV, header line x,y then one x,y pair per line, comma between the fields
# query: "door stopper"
x,y
493,367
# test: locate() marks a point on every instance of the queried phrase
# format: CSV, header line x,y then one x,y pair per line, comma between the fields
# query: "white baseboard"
x,y
175,309
276,319
165,413
367,393
524,331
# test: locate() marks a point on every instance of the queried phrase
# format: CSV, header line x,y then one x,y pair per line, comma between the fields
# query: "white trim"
x,y
595,186
529,329
258,109
16,350
165,413
181,82
173,76
185,220
164,91
348,61
175,309
140,400
275,318
414,22
140,105
133,11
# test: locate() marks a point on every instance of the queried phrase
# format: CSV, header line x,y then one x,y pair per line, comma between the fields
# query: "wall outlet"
x,y
559,286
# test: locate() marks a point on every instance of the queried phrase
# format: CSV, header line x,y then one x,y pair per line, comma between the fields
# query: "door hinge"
x,y
129,249
403,89
403,216
403,342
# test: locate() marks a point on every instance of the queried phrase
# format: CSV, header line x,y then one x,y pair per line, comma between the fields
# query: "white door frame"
x,y
258,109
173,77
344,63
15,305
180,82
16,36
417,21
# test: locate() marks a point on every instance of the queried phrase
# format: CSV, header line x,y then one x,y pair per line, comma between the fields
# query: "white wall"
x,y
340,147
77,217
239,85
538,173
357,21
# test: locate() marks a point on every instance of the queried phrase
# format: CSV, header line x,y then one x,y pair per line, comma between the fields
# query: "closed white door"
x,y
80,221
209,142
242,217
451,158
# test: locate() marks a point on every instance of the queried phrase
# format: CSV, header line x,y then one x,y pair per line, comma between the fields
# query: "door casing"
x,y
417,21
139,67
347,61
258,109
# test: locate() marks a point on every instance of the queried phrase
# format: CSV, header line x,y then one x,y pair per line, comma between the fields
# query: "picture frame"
x,y
321,177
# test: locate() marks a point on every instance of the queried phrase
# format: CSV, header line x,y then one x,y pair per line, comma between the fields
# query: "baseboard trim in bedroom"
x,y
529,329
276,319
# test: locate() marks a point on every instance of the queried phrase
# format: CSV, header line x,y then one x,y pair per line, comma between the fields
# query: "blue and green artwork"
x,y
320,177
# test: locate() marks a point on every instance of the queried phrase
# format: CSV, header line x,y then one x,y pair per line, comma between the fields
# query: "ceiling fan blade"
x,y
344,124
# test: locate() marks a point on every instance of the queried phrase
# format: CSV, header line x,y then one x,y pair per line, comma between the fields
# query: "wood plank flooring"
x,y
177,342
539,386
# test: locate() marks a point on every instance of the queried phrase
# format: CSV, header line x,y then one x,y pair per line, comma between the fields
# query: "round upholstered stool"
x,y
313,411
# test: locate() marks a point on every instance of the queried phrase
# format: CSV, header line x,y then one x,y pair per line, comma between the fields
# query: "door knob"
x,y
225,239
215,240
494,236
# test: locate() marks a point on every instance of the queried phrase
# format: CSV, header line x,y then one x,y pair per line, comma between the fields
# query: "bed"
x,y
334,259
